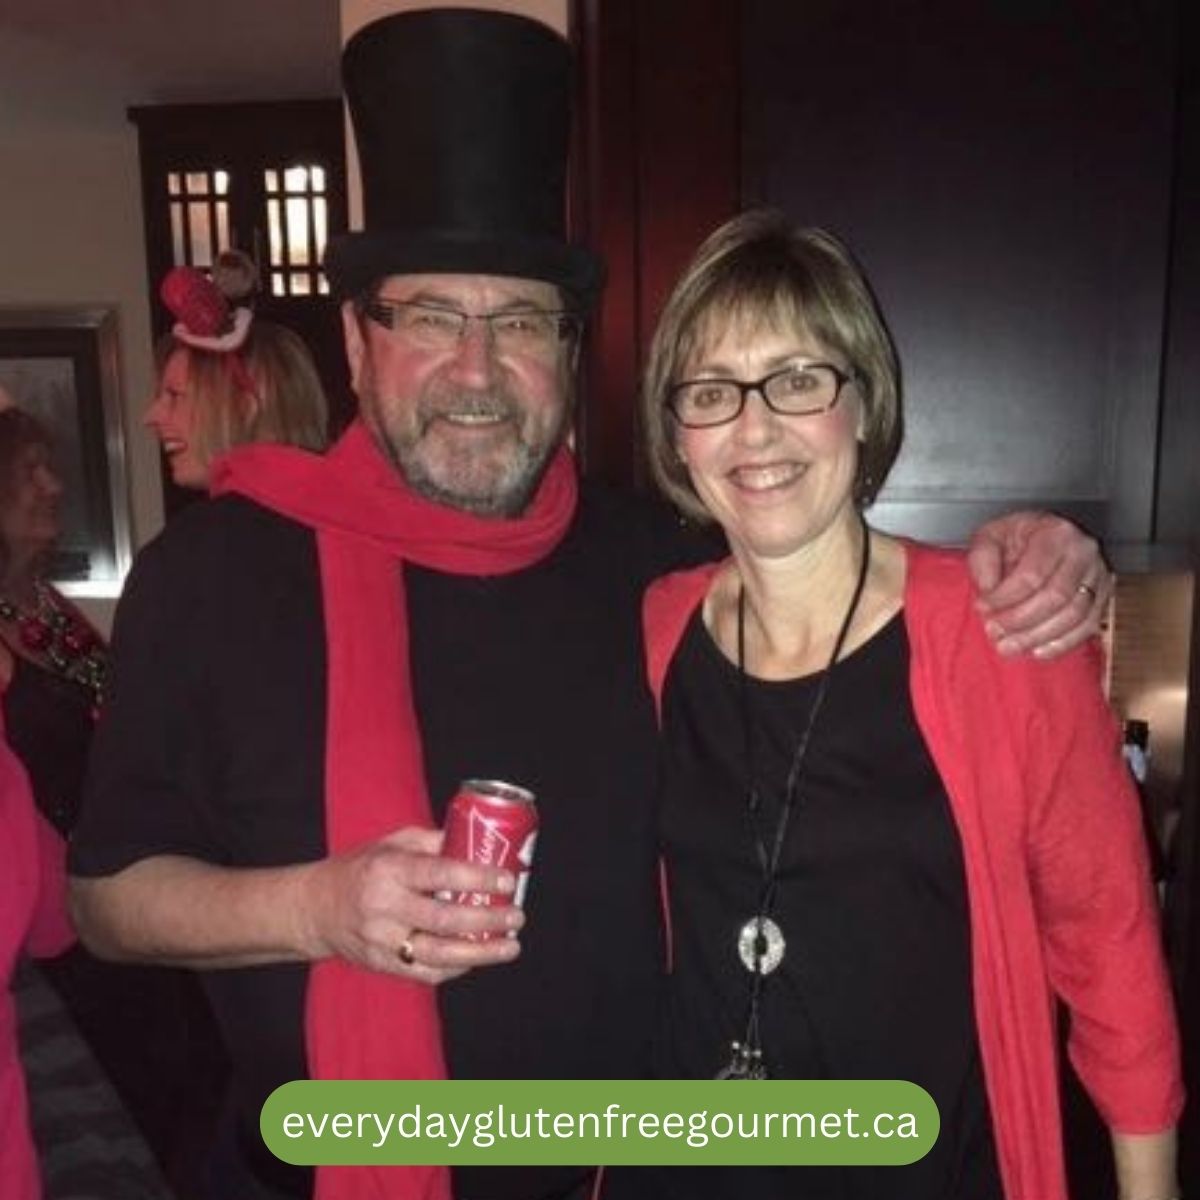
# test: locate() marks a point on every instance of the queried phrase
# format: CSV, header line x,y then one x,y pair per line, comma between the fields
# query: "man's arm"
x,y
361,907
1043,585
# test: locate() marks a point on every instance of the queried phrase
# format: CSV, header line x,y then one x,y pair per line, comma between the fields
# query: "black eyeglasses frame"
x,y
759,385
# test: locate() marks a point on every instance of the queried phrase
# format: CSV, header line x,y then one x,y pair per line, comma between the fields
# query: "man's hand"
x,y
376,907
1043,585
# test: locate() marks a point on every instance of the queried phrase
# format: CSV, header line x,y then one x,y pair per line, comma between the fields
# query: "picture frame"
x,y
61,365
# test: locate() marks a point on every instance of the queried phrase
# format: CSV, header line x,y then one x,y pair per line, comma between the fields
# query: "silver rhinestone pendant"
x,y
744,1063
761,945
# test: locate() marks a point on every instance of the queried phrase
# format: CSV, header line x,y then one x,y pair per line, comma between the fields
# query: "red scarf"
x,y
360,1024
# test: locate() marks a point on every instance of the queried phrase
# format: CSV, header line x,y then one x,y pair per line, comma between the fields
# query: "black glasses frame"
x,y
759,386
383,312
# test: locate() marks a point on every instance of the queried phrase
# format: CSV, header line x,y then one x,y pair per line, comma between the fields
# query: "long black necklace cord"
x,y
746,1060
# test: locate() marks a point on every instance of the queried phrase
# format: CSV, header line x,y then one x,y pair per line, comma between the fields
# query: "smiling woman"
x,y
880,865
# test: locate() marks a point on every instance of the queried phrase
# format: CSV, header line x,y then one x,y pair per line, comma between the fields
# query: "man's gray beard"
x,y
510,496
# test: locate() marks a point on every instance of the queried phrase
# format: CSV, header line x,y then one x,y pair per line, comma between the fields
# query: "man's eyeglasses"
x,y
801,390
531,332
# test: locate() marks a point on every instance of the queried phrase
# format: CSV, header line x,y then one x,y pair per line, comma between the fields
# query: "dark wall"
x,y
1177,518
656,168
1003,171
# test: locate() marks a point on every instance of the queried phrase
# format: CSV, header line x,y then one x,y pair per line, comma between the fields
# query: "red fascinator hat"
x,y
212,313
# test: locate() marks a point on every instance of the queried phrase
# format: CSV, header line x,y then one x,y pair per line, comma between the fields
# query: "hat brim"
x,y
355,261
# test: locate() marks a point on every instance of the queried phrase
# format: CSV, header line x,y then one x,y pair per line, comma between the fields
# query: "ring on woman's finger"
x,y
1087,590
405,952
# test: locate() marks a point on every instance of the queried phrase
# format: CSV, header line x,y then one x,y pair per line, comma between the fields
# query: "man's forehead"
x,y
492,291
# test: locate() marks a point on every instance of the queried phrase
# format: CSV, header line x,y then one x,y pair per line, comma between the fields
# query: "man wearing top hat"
x,y
307,666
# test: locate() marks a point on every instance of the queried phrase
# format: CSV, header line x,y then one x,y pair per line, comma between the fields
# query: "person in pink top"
x,y
33,920
891,852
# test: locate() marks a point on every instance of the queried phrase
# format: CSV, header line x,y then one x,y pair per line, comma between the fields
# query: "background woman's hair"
x,y
288,403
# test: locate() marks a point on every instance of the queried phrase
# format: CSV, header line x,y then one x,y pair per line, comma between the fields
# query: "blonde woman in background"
x,y
227,377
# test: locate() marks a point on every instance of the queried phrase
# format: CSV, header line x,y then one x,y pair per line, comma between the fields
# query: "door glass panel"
x,y
201,224
297,223
298,226
320,212
178,258
222,208
199,234
275,238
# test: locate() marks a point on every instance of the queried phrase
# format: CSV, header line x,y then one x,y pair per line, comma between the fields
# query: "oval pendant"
x,y
761,945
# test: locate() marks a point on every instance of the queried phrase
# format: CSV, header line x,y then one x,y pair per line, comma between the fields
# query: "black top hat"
x,y
461,119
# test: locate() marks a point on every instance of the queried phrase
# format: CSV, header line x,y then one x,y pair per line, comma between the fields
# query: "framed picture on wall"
x,y
61,366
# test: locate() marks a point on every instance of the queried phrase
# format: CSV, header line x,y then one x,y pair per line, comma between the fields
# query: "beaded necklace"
x,y
60,640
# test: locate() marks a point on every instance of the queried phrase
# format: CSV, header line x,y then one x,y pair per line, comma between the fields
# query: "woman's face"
x,y
30,510
171,415
776,484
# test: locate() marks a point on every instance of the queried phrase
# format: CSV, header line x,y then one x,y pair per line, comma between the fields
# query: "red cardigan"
x,y
1058,885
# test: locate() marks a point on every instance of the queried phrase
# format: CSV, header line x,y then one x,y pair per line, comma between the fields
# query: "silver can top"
x,y
497,789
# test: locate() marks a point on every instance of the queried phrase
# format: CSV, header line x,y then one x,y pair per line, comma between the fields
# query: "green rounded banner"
x,y
618,1122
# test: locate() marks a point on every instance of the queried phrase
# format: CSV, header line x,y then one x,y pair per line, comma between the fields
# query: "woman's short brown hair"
x,y
762,270
288,404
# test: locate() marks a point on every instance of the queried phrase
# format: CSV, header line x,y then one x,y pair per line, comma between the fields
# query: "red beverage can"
x,y
494,824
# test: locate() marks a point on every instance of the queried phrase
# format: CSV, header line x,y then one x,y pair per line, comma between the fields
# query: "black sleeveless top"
x,y
876,977
48,721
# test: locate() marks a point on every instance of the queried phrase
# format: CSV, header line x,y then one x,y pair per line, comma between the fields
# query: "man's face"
x,y
469,416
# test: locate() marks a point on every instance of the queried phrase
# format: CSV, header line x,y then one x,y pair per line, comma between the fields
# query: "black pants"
x,y
230,1173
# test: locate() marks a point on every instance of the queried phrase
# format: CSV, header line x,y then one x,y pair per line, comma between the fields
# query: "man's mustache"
x,y
489,404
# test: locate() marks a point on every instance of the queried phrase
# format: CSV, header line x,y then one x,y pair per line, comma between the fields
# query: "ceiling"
x,y
183,51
